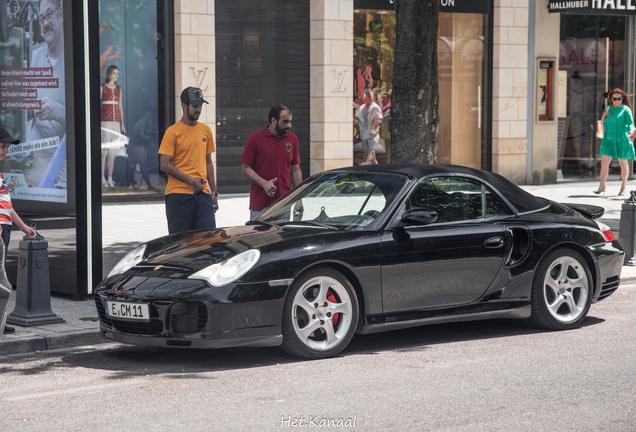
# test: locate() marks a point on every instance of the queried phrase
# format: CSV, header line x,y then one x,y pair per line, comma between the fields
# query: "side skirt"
x,y
520,312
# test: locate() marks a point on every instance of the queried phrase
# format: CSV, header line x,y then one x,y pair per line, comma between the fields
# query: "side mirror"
x,y
419,216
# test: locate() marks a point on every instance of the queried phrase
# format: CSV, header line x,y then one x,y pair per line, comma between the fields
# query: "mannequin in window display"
x,y
112,123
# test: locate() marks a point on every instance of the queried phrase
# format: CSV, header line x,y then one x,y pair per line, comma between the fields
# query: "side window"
x,y
453,198
495,206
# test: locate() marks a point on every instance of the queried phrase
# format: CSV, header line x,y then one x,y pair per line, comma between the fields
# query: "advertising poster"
x,y
33,101
543,83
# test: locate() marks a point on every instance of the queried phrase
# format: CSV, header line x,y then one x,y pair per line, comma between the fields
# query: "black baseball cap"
x,y
192,96
5,138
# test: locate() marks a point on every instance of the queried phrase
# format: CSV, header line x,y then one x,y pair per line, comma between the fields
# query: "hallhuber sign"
x,y
594,7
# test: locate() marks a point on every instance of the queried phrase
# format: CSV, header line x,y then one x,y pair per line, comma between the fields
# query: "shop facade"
x,y
595,55
521,84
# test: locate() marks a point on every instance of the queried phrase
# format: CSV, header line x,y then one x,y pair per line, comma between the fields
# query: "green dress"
x,y
616,142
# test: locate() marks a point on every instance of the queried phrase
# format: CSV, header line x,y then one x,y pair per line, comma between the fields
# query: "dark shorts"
x,y
6,237
189,212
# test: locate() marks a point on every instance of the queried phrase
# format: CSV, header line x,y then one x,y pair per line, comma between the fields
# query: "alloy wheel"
x,y
566,288
322,313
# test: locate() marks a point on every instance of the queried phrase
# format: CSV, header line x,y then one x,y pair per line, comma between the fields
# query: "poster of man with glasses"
x,y
32,99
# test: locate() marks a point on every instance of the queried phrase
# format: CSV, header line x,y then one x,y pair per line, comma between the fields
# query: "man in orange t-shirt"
x,y
185,155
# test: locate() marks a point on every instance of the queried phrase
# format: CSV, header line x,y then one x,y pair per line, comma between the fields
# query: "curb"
x,y
22,345
628,275
628,280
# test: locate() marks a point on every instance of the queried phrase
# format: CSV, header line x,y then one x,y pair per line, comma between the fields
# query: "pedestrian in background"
x,y
617,140
7,214
186,157
369,118
271,161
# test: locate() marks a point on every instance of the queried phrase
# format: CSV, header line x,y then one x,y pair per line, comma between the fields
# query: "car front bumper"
x,y
197,316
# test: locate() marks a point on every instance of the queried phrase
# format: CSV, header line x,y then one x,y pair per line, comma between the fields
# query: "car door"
x,y
451,261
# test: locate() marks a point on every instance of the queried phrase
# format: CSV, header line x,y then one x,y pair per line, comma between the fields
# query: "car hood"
x,y
183,254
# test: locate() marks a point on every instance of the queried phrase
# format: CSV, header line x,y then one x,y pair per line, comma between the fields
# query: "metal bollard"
x,y
33,294
627,229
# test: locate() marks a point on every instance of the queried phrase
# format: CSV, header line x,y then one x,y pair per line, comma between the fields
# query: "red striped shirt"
x,y
5,202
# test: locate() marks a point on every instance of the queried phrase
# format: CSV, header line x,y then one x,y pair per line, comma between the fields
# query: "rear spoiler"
x,y
590,211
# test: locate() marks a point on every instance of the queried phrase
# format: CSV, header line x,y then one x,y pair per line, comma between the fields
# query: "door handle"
x,y
494,242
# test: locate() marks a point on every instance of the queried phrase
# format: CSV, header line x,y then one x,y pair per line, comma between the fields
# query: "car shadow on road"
x,y
126,361
131,360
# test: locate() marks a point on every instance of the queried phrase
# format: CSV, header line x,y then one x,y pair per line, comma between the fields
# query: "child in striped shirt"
x,y
7,213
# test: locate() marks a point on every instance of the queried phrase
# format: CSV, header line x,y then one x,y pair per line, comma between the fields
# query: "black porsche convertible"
x,y
365,249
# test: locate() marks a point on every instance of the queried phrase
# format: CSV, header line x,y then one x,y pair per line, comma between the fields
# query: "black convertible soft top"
x,y
522,201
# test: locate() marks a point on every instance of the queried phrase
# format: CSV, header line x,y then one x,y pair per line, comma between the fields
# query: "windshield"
x,y
345,201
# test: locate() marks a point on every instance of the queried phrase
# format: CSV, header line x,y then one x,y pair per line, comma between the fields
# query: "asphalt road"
x,y
482,376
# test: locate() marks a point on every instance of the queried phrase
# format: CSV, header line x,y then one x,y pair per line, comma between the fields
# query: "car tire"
x,y
320,315
561,291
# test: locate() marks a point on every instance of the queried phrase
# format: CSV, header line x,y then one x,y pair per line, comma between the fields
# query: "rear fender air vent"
x,y
521,245
609,287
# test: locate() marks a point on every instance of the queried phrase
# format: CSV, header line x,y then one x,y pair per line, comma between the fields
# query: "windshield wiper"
x,y
310,223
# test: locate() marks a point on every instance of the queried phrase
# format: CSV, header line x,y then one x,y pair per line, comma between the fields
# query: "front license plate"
x,y
136,311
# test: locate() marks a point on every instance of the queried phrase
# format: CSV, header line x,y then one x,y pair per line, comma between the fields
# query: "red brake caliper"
x,y
332,299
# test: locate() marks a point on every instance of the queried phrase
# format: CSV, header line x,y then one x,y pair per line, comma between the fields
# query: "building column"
x,y
195,56
510,89
331,78
547,43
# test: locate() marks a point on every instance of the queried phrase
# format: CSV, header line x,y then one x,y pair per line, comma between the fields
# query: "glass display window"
x,y
461,53
129,99
589,68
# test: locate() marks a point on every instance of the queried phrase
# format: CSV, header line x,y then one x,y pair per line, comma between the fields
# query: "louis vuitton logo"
x,y
199,75
340,77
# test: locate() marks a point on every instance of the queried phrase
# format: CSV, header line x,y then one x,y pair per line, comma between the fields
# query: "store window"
x,y
461,57
262,57
585,75
129,99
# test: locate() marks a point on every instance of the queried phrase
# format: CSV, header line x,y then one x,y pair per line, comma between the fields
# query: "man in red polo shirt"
x,y
270,160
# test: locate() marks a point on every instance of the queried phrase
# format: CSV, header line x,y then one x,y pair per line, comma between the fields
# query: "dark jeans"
x,y
189,212
6,237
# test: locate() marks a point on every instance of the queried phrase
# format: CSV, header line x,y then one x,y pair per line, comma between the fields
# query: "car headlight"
x,y
228,271
130,260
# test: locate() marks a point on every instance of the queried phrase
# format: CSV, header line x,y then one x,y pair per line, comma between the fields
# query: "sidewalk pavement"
x,y
126,225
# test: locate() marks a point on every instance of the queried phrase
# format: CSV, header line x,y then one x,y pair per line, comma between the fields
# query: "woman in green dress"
x,y
617,141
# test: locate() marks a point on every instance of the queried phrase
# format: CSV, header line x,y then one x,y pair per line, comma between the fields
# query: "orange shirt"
x,y
188,146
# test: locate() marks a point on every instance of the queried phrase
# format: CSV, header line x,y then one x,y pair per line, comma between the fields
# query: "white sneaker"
x,y
104,182
110,182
